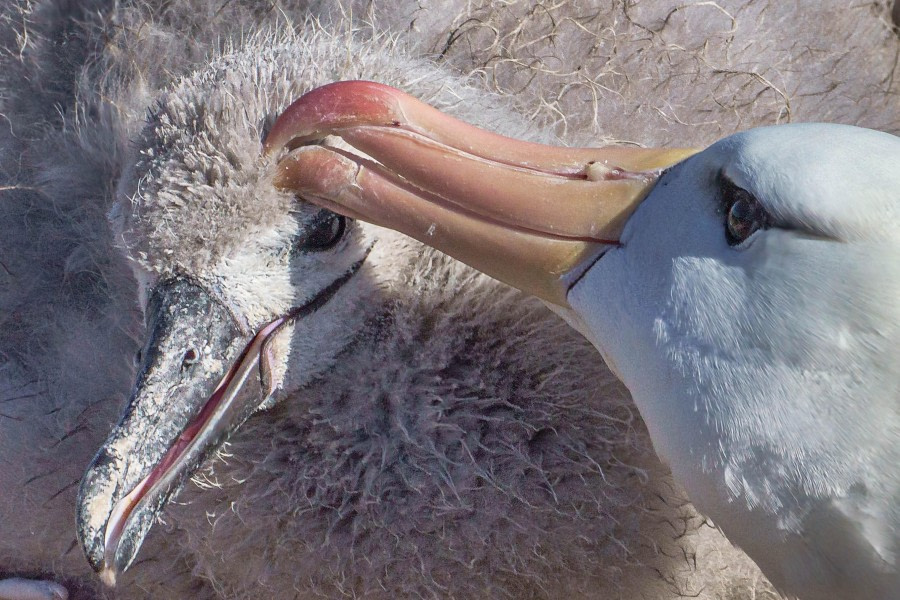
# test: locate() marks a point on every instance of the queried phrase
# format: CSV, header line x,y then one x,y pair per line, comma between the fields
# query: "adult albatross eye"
x,y
745,215
325,230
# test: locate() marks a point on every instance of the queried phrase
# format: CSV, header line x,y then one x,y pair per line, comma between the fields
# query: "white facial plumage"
x,y
768,371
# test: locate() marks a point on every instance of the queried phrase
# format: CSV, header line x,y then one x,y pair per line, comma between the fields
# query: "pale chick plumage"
x,y
296,480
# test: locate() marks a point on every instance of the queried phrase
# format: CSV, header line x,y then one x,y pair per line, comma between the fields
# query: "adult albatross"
x,y
748,295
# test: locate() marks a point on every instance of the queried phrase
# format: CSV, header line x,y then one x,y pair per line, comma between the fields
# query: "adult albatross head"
x,y
747,295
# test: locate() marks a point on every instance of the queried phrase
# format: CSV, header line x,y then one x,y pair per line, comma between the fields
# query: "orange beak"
x,y
533,216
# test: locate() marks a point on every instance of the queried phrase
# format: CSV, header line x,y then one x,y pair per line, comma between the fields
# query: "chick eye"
x,y
745,215
325,230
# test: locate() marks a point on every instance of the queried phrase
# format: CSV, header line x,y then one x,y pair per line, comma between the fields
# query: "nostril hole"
x,y
189,358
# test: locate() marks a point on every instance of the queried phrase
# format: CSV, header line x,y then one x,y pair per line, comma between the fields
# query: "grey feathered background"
x,y
435,459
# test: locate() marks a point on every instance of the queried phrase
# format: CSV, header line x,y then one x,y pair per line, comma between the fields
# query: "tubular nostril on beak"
x,y
191,356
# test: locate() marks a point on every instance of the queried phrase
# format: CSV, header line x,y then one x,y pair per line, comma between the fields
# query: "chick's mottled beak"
x,y
530,215
185,403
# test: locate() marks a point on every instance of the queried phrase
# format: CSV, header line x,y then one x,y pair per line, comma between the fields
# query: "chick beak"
x,y
533,216
184,404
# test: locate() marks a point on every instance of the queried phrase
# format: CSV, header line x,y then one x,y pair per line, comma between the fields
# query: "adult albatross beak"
x,y
533,216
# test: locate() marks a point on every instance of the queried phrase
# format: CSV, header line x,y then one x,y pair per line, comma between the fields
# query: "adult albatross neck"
x,y
747,295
